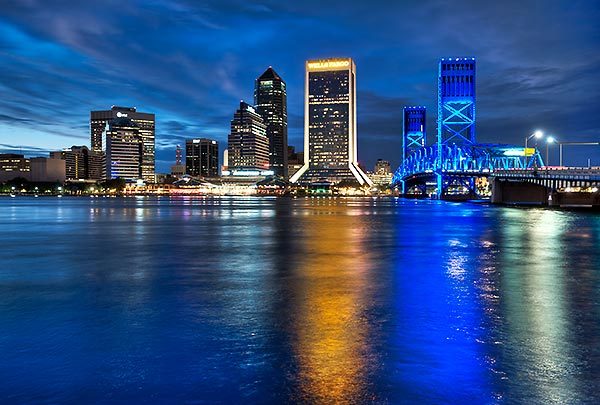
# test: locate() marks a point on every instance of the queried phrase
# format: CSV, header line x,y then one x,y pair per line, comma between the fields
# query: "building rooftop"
x,y
269,74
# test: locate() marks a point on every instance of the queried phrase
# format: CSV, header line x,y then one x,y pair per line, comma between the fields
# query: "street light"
x,y
538,135
549,140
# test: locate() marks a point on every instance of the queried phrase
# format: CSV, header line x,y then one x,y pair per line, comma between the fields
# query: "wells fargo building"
x,y
330,123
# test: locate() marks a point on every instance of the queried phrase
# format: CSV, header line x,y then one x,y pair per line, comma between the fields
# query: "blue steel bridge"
x,y
454,162
452,169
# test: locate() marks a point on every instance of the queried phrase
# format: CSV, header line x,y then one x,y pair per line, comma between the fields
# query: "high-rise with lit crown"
x,y
145,122
124,150
330,149
270,99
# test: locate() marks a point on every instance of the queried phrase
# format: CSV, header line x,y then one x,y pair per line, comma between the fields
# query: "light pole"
x,y
549,140
538,135
560,144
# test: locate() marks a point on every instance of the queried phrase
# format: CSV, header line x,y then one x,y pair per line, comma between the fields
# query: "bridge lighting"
x,y
514,152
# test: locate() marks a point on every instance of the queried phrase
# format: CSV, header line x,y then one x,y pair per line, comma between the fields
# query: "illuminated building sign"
x,y
247,173
329,64
121,115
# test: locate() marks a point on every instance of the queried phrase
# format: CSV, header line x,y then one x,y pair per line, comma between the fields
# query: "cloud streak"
x,y
191,63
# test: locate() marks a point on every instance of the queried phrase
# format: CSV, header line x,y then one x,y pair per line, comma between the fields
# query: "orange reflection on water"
x,y
330,326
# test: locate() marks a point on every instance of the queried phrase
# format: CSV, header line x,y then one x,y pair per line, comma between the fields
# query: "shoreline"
x,y
570,207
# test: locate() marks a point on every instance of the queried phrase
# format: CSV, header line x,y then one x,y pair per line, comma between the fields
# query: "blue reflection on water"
x,y
297,300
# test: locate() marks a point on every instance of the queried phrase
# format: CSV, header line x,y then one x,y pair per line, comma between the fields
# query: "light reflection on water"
x,y
330,332
297,300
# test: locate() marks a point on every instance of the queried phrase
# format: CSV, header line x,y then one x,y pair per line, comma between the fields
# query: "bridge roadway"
x,y
552,186
576,176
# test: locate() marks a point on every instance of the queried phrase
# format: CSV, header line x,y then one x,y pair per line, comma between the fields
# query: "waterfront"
x,y
266,300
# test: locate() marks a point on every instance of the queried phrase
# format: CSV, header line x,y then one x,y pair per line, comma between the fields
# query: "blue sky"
x,y
191,62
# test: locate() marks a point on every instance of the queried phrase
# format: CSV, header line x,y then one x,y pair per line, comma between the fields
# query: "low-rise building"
x,y
13,165
48,170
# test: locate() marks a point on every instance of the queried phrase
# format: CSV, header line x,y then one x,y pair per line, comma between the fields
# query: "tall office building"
x,y
413,128
330,124
202,157
248,145
145,122
270,99
124,150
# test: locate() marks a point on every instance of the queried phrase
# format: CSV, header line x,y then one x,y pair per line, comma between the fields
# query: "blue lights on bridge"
x,y
455,159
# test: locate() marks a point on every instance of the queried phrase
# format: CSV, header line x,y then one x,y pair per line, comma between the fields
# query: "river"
x,y
278,300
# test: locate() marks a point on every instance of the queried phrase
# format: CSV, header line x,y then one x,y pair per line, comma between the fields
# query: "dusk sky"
x,y
190,63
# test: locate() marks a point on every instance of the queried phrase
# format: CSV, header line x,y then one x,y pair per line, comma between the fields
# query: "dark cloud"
x,y
192,62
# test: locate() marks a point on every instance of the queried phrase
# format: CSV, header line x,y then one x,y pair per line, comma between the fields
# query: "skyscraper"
x,y
202,157
330,123
124,150
413,127
145,123
270,98
248,145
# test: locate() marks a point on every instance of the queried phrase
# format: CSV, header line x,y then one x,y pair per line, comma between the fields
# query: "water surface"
x,y
261,300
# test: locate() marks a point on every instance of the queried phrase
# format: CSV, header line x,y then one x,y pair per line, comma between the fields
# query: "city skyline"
x,y
55,73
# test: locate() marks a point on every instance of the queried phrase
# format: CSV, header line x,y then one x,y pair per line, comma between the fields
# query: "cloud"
x,y
191,63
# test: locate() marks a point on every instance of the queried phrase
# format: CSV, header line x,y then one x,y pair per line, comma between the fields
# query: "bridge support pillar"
x,y
519,193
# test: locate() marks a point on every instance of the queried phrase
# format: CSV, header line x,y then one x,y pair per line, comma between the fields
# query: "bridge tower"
x,y
413,130
456,108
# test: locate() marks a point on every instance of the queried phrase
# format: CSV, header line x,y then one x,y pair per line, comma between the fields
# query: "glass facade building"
x,y
145,122
202,157
248,145
330,149
270,99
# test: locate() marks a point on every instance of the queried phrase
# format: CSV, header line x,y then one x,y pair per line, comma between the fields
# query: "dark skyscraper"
x,y
145,123
202,157
330,150
248,144
270,98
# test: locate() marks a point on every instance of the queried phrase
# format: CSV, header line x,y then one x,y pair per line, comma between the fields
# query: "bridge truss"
x,y
458,166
